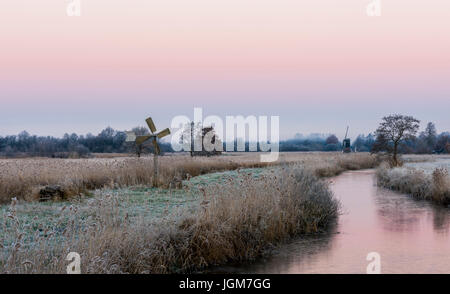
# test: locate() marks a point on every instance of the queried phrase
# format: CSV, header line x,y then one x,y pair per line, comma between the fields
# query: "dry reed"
x,y
237,221
416,182
23,178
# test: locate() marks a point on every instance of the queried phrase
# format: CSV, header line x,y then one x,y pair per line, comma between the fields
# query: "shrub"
x,y
441,186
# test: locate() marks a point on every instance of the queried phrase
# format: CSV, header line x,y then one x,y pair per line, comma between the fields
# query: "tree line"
x,y
427,142
113,141
72,145
397,134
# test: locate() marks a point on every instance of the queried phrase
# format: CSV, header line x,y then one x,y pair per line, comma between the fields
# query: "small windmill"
x,y
346,147
139,140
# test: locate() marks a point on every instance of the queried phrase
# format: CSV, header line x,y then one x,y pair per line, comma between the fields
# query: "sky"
x,y
319,65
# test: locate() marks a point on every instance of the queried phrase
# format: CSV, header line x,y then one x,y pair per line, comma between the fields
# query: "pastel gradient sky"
x,y
319,64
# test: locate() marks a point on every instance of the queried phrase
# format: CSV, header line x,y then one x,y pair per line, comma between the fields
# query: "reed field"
x,y
24,178
227,209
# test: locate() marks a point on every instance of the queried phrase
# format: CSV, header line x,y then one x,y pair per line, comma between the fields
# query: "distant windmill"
x,y
346,144
139,140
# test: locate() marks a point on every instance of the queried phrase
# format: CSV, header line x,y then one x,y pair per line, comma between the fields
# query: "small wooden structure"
x,y
139,140
346,144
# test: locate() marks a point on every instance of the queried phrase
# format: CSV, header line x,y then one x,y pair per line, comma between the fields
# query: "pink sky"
x,y
318,64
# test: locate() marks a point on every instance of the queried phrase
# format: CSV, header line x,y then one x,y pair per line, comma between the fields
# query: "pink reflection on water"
x,y
411,236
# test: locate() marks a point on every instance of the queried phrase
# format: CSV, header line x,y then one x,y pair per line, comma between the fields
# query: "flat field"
x,y
427,163
230,208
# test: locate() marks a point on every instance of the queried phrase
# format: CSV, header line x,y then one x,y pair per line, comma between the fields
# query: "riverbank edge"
x,y
416,183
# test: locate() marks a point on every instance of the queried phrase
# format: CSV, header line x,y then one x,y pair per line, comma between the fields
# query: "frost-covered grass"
x,y
221,217
431,163
231,217
137,204
423,177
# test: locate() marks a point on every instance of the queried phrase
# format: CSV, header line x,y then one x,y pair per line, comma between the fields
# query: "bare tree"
x,y
392,130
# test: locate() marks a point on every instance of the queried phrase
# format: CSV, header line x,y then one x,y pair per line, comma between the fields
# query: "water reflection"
x,y
441,219
400,213
411,236
295,256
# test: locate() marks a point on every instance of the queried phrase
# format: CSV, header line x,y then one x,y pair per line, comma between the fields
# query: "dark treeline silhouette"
x,y
313,142
70,145
427,142
330,143
113,141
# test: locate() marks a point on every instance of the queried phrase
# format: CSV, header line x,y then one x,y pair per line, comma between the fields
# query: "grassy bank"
x,y
426,179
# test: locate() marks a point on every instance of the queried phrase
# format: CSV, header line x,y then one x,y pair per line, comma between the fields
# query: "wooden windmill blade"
x,y
163,133
156,145
151,125
141,139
